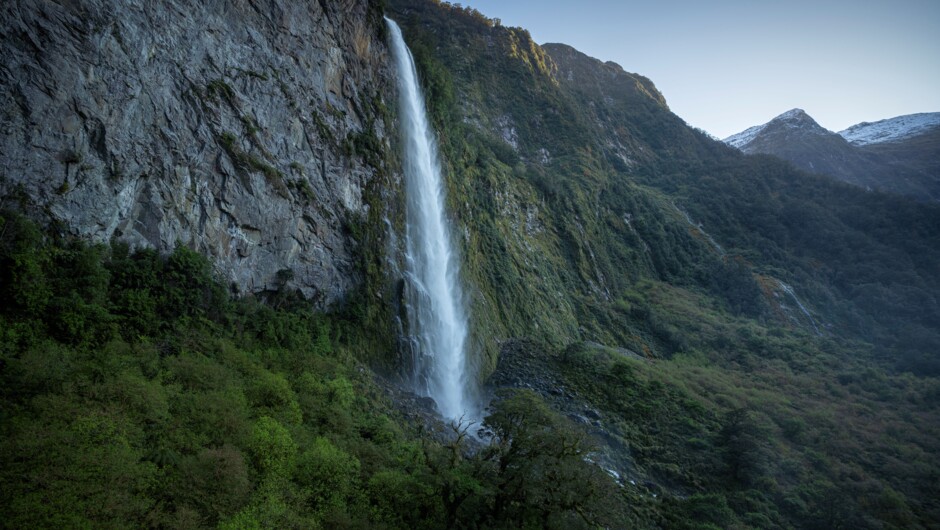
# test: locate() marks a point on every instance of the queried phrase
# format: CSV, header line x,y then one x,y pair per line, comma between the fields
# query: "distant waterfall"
x,y
436,314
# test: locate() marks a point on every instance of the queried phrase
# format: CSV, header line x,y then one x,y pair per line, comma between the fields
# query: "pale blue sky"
x,y
726,65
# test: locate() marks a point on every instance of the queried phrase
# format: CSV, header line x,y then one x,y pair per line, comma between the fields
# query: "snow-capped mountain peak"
x,y
892,129
792,114
791,119
897,155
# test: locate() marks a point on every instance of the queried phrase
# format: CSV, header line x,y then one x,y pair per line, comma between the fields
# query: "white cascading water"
x,y
436,313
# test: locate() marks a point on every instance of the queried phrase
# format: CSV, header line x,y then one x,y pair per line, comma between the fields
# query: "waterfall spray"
x,y
436,312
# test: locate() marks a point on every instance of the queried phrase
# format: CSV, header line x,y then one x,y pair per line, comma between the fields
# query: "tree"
x,y
745,447
539,464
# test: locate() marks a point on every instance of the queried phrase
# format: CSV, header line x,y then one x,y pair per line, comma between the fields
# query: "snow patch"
x,y
744,137
891,129
792,114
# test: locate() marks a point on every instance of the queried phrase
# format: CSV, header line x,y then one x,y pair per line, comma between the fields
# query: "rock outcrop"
x,y
240,128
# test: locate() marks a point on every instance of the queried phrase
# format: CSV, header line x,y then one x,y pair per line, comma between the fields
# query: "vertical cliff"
x,y
249,130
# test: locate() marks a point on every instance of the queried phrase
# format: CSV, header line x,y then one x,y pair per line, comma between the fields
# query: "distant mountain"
x,y
898,155
206,321
893,129
795,121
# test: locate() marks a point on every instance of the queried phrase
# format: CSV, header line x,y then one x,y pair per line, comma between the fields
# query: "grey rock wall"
x,y
225,125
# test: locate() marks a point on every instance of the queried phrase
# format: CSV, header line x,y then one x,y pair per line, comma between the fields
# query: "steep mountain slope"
x,y
229,127
900,155
592,213
796,137
907,146
796,226
559,163
674,335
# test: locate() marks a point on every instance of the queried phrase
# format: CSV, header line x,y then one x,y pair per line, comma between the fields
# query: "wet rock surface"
x,y
421,412
525,364
228,126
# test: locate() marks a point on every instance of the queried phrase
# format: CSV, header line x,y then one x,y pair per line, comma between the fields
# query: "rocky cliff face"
x,y
240,128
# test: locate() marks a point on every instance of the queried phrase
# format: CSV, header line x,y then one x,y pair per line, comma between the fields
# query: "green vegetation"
x,y
220,89
135,393
245,161
581,194
365,144
304,189
555,238
772,424
322,128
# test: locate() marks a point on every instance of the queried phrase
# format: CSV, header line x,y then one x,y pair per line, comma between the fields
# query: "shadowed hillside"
x,y
669,333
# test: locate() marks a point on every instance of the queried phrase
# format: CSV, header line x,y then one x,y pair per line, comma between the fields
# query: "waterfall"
x,y
436,315
789,290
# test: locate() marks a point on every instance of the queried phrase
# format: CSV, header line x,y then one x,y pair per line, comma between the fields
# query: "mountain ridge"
x,y
891,129
899,155
673,334
793,118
